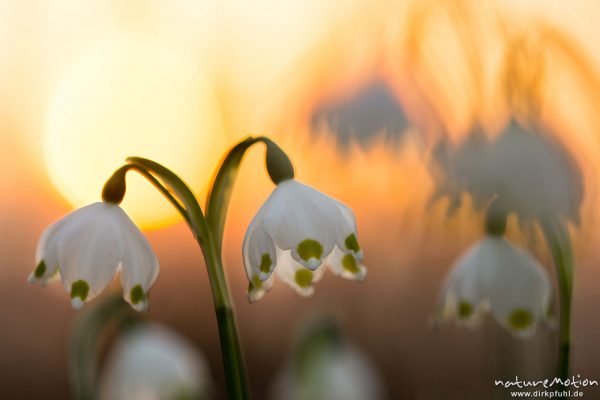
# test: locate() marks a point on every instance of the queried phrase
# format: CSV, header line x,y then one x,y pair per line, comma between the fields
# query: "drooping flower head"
x,y
326,366
154,362
497,275
295,234
88,246
533,174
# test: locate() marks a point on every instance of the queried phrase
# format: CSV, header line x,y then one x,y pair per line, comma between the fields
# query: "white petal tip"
x,y
31,279
140,306
361,276
254,295
305,291
358,255
76,303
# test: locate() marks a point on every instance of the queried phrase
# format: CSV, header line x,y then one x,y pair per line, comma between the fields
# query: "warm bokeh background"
x,y
282,69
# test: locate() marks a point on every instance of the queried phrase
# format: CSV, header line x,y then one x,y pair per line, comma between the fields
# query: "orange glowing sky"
x,y
265,66
270,64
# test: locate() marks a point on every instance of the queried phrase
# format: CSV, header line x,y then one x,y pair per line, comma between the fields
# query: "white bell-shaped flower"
x,y
296,232
497,275
324,366
87,247
153,362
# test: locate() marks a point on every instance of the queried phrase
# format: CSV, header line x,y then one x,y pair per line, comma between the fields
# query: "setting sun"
x,y
126,97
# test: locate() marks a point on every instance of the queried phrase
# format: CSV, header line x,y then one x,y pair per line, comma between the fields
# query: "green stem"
x,y
209,234
233,360
235,372
559,242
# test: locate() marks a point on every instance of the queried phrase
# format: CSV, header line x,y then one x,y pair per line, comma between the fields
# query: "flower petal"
x,y
139,265
258,249
347,233
303,220
257,288
346,265
518,288
463,292
46,254
89,249
297,276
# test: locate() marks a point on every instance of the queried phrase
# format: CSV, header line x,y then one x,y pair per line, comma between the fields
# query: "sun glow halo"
x,y
128,97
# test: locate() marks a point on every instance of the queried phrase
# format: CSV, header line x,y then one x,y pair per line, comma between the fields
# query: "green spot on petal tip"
x,y
520,319
352,243
40,270
80,289
349,264
465,309
309,248
303,277
137,294
256,283
265,263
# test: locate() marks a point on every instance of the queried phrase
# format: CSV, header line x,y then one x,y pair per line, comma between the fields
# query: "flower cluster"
x,y
295,234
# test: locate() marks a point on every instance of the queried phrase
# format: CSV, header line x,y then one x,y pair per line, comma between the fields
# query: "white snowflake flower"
x,y
296,232
153,362
87,247
497,275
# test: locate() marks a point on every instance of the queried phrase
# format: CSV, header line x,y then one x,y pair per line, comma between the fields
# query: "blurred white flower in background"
x,y
496,275
87,247
533,173
296,232
152,362
325,366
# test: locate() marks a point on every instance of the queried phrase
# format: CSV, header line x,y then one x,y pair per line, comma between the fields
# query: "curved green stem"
x,y
278,166
235,371
209,234
559,242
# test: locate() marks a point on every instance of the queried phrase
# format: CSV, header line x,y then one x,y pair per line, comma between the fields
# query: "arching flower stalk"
x,y
88,246
537,180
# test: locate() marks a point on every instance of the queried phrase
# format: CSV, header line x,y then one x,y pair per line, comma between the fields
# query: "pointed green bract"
x,y
349,263
265,263
520,319
465,309
303,277
80,289
137,294
352,243
309,248
40,270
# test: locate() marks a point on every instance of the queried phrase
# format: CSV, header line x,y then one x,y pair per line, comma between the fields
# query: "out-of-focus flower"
x,y
296,232
497,275
532,173
152,362
373,111
325,366
87,247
